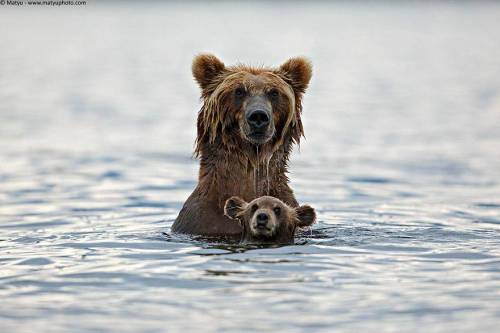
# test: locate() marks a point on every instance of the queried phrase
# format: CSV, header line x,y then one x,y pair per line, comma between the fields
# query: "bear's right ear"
x,y
297,72
206,67
234,206
306,215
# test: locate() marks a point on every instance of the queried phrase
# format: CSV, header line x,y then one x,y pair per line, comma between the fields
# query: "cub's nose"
x,y
262,220
258,119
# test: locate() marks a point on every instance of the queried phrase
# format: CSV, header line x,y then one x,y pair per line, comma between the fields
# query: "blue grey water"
x,y
401,160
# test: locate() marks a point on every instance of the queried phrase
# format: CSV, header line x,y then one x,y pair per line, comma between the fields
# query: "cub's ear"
x,y
306,215
297,72
206,67
234,206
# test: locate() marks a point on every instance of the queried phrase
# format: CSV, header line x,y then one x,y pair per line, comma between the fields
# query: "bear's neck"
x,y
247,171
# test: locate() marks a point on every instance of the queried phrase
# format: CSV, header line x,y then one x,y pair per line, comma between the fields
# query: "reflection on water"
x,y
401,162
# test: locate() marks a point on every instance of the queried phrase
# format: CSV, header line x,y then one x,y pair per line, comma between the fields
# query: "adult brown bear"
x,y
246,127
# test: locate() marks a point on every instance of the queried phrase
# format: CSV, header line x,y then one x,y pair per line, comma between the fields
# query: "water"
x,y
401,162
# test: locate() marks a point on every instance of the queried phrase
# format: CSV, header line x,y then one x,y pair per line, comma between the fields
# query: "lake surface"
x,y
401,161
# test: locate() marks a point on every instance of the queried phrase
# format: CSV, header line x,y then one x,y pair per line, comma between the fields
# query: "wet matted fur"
x,y
231,162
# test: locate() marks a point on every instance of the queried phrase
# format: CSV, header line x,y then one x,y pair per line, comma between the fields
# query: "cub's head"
x,y
244,104
268,220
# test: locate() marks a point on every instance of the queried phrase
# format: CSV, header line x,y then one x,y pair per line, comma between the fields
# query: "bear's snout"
x,y
259,127
258,120
263,223
262,220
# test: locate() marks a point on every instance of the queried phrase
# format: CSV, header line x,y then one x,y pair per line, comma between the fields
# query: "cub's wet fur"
x,y
268,220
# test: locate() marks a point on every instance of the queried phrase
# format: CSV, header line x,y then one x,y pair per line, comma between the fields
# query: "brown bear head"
x,y
268,220
245,105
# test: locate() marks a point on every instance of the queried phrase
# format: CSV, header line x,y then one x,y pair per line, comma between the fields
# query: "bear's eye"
x,y
277,211
240,92
274,94
255,207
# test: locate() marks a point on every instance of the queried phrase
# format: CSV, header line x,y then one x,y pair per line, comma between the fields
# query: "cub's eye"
x,y
255,207
240,92
277,211
274,94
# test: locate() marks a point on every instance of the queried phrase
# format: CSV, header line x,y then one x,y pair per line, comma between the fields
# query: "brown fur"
x,y
280,228
230,163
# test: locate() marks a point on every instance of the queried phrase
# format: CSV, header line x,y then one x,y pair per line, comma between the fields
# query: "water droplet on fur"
x,y
257,174
255,181
268,160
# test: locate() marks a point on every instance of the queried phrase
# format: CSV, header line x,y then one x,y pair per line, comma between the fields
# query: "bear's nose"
x,y
258,119
262,219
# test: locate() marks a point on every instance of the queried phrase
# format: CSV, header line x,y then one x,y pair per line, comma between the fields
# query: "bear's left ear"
x,y
234,206
297,72
206,68
306,215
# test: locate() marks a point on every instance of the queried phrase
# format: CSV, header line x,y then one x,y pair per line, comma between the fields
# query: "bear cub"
x,y
268,220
